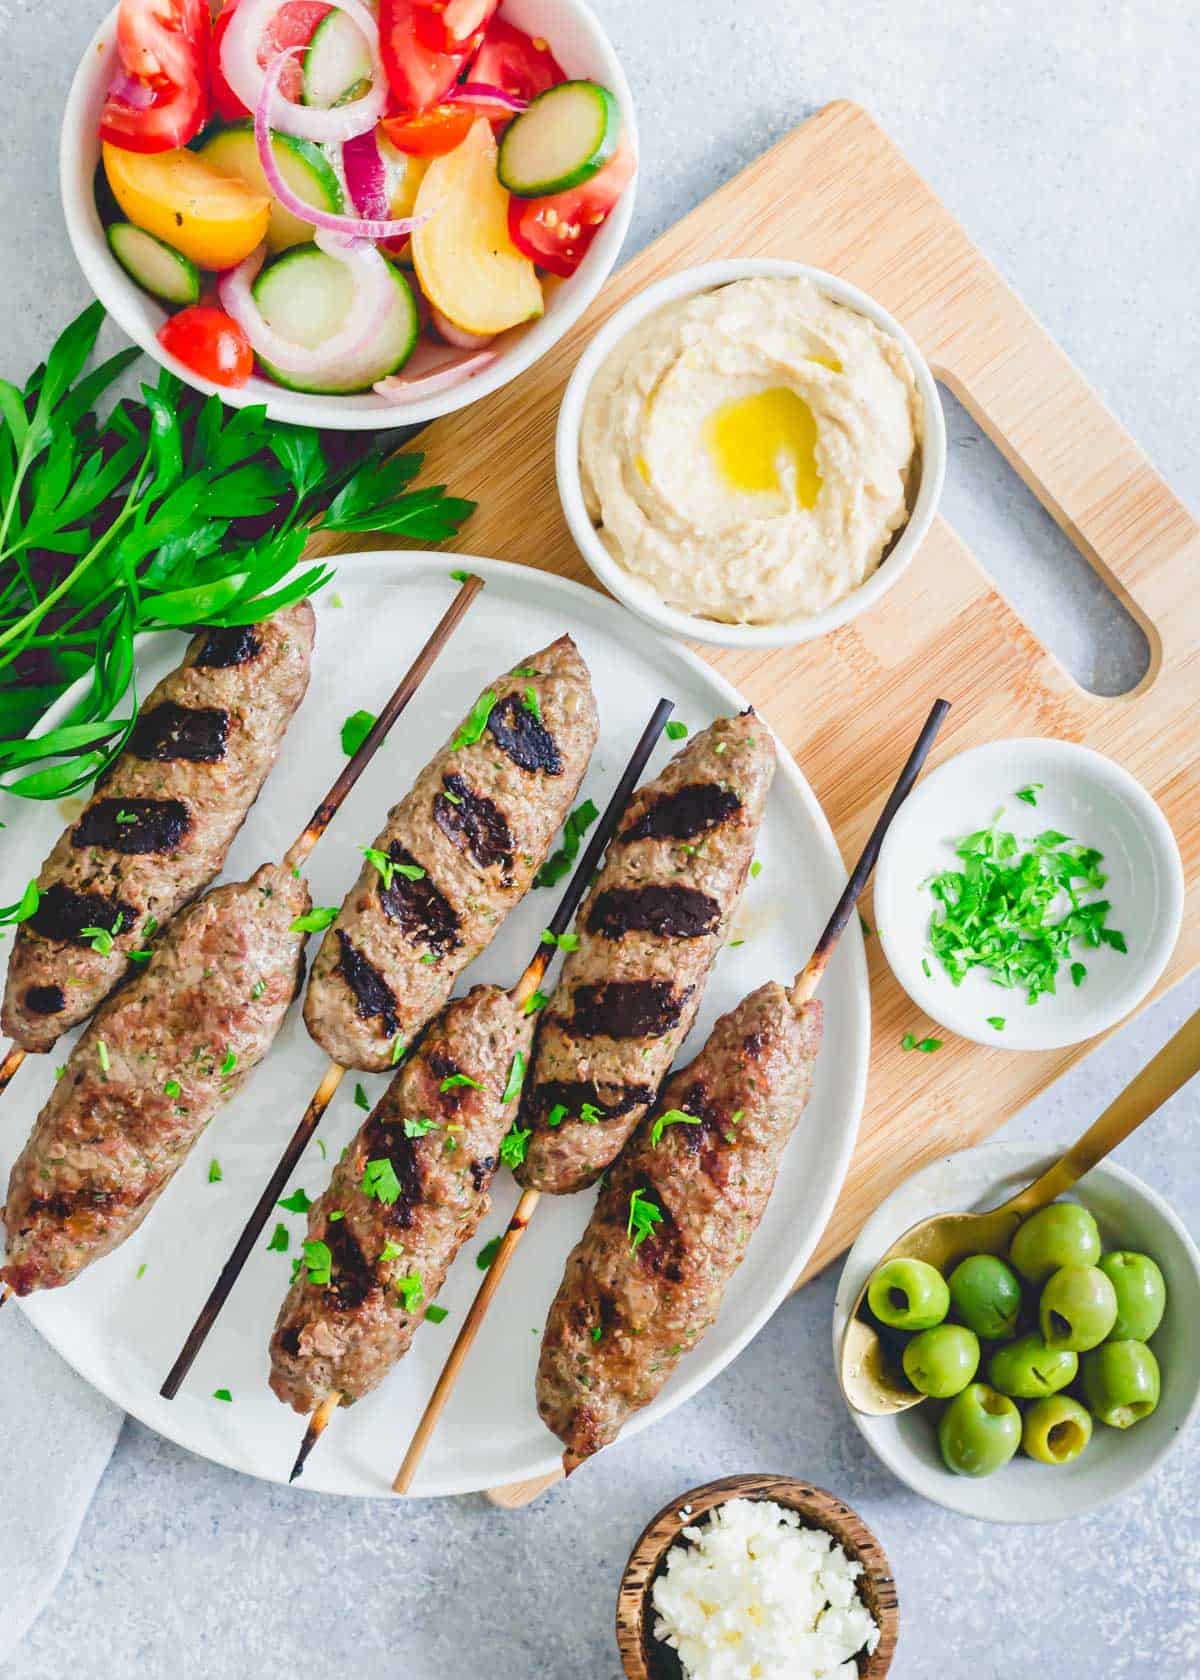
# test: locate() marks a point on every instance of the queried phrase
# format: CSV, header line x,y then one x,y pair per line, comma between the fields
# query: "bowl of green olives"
x,y
1053,1377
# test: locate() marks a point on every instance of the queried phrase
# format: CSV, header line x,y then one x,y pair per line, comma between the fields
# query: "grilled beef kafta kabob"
x,y
679,1208
161,821
413,1185
159,1057
457,853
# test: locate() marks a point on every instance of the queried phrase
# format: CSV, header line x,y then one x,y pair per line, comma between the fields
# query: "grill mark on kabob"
x,y
477,824
160,822
655,919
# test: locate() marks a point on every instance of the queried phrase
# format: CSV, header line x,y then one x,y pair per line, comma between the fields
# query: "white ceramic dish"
x,y
636,594
582,48
1084,795
1130,1215
122,1333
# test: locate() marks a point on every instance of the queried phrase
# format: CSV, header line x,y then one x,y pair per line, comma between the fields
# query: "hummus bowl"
x,y
876,440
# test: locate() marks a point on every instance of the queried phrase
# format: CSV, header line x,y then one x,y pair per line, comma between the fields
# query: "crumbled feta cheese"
x,y
757,1596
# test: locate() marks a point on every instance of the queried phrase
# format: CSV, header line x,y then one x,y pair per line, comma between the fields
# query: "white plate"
x,y
122,1333
1083,794
1130,1215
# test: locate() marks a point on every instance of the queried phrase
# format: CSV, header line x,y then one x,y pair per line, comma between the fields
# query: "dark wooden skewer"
x,y
532,976
802,990
325,811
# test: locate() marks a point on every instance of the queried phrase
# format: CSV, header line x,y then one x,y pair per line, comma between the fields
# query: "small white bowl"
x,y
1084,795
635,593
581,47
1130,1215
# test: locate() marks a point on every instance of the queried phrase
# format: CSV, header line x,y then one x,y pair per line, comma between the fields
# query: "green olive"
x,y
1078,1308
908,1295
979,1431
1063,1234
1121,1383
1056,1430
986,1295
941,1362
1029,1370
1141,1294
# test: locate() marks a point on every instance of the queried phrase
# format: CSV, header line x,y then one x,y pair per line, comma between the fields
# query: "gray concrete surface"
x,y
1065,137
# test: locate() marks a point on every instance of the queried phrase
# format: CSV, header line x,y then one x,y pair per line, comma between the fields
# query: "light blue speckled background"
x,y
1065,136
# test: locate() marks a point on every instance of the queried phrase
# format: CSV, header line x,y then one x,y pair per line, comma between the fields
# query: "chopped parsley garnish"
x,y
419,1128
755,870
534,1002
557,1115
1015,908
172,1089
910,1041
513,1146
318,1261
398,1049
298,1202
1029,794
101,939
516,1077
488,1253
214,1171
315,920
476,723
435,1314
338,1213
390,1251
428,957
280,1240
644,1215
102,1055
141,1271
454,1080
674,730
379,1180
673,1117
355,731
59,1071
222,1394
1078,973
559,862
459,576
867,930
564,941
25,907
139,956
126,817
532,704
230,1062
454,798
258,988
361,1098
925,968
590,1114
597,1332
410,1289
297,1263
388,867
996,1021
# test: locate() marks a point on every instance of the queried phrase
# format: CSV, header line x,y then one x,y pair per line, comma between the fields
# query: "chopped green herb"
x,y
454,798
557,1115
379,1180
361,1098
488,1253
428,957
454,1080
126,817
280,1240
25,906
674,730
435,1314
644,1215
672,1117
597,1332
101,939
534,1002
410,1289
928,1045
559,862
513,1146
335,600
222,1394
139,956
214,1171
472,730
564,941
315,920
755,870
338,1213
909,1041
297,1263
318,1261
391,1251
258,988
141,1271
531,703
1078,973
1029,794
867,930
996,1021
298,1202
322,1148
381,861
459,576
228,1065
398,1049
925,968
590,1114
102,1055
516,1078
355,731
172,1089
419,1128
59,1071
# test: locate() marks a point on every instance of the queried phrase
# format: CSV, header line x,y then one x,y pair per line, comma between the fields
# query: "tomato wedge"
x,y
449,26
556,232
430,133
209,342
293,25
160,99
419,76
521,64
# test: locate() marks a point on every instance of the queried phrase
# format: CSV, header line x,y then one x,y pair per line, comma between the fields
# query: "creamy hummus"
x,y
747,453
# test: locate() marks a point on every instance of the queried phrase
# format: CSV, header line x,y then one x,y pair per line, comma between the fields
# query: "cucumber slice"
x,y
157,267
336,62
562,138
303,165
305,295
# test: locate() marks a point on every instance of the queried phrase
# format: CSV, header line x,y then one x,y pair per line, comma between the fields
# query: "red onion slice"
x,y
372,295
450,371
246,77
458,336
484,93
131,91
366,176
350,227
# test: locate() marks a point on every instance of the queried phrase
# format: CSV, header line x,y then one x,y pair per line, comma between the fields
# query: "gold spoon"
x,y
870,1381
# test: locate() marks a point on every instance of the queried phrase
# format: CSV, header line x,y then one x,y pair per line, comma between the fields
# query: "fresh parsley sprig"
x,y
162,513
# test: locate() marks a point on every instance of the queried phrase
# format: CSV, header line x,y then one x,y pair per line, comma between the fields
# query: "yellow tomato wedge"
x,y
468,266
213,219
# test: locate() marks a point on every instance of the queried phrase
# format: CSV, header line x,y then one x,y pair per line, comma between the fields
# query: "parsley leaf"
x,y
516,1077
435,1314
454,1080
996,1021
590,1114
534,1002
361,1099
644,1215
410,1289
355,730
559,862
564,941
419,1128
475,723
488,1253
672,1117
318,1260
513,1146
25,907
675,731
315,920
214,1171
379,1180
531,703
280,1240
557,1115
222,1394
298,1202
1029,794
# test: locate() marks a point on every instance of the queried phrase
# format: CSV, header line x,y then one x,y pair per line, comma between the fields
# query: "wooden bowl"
x,y
646,1658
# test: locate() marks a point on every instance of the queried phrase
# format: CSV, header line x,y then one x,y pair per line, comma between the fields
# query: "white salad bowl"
x,y
634,592
583,50
1130,1215
1083,795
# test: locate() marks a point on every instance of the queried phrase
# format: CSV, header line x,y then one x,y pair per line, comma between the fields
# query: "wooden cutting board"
x,y
838,194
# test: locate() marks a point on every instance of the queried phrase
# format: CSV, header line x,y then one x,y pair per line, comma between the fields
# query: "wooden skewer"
x,y
324,1093
802,990
531,978
324,813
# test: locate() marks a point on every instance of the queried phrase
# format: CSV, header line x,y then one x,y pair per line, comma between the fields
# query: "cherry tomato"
x,y
556,232
164,50
521,64
419,77
292,25
450,25
210,343
430,133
